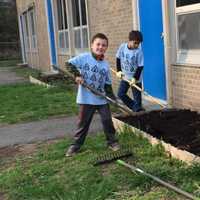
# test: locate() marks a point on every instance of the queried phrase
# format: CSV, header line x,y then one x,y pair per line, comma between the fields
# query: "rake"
x,y
116,156
94,91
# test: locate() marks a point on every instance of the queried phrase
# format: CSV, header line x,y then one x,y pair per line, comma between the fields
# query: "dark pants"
x,y
136,103
86,113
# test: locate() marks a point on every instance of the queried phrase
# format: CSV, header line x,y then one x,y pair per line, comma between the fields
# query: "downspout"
x,y
167,49
135,15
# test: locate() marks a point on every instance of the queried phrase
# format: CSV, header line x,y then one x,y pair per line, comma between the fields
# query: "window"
x,y
63,33
32,29
80,27
72,26
29,30
26,31
188,31
186,2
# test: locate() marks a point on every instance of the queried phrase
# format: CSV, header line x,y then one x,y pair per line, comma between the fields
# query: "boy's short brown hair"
x,y
101,36
135,35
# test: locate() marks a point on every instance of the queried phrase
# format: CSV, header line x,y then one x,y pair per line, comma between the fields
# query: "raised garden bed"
x,y
177,130
53,79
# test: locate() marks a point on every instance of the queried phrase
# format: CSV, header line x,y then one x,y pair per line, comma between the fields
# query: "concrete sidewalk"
x,y
42,130
8,76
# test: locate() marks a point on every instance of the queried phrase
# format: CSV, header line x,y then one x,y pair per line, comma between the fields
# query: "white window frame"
x,y
26,31
63,50
29,37
186,56
81,27
33,36
71,51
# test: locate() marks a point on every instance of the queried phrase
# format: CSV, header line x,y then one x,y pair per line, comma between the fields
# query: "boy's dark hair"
x,y
135,35
101,36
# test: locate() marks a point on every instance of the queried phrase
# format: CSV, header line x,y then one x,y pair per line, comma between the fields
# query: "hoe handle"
x,y
94,91
135,169
151,98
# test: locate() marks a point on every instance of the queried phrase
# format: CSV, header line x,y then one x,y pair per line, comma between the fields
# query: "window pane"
x,y
66,40
34,42
75,12
61,40
26,24
77,34
186,2
60,15
65,14
189,31
85,38
32,22
83,12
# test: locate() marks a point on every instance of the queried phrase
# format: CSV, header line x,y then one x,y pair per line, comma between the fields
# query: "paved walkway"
x,y
7,76
39,130
42,130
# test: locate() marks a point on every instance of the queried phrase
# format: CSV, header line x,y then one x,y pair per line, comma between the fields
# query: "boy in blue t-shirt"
x,y
92,69
130,63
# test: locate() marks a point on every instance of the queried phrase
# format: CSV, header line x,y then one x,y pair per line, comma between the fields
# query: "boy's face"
x,y
134,44
99,46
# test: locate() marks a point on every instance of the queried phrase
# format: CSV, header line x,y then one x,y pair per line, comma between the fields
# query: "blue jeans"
x,y
136,103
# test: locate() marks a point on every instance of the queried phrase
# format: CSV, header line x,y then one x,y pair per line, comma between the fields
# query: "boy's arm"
x,y
119,69
138,72
140,66
136,75
118,64
109,91
73,70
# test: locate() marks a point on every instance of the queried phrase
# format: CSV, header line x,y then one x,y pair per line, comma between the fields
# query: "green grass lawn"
x,y
26,102
9,63
48,174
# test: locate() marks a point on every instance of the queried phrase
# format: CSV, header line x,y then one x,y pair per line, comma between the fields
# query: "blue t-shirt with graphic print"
x,y
130,60
95,74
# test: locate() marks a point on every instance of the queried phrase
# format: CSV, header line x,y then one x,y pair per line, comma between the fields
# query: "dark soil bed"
x,y
181,128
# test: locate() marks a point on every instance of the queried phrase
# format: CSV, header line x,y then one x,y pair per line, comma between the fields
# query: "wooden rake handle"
x,y
94,91
151,98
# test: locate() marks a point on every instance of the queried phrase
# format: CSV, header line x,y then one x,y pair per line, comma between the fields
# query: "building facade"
x,y
54,30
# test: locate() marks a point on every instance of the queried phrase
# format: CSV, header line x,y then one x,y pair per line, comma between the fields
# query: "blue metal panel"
x,y
151,26
51,33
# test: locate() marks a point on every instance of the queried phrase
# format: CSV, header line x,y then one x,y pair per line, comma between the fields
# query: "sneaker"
x,y
72,151
114,146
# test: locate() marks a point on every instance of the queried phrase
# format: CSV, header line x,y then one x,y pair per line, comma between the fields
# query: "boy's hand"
x,y
132,82
120,74
79,80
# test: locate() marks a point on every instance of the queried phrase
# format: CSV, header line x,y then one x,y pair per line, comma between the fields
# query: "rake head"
x,y
112,156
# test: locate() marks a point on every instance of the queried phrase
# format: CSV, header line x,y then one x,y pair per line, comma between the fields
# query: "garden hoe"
x,y
116,156
151,98
94,91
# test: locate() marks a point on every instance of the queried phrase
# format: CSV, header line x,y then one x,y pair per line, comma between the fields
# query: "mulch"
x,y
181,128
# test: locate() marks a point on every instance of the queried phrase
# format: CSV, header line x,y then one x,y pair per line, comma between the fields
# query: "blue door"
x,y
151,26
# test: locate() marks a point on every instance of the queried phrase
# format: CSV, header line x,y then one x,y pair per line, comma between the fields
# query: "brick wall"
x,y
113,18
186,87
